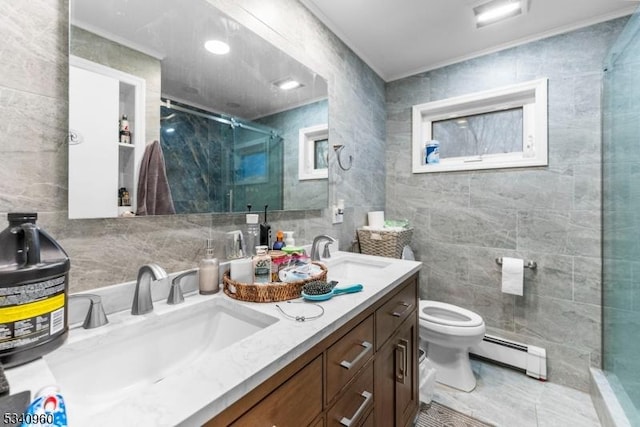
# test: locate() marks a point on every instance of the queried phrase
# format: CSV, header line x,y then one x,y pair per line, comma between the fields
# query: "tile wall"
x,y
465,220
33,148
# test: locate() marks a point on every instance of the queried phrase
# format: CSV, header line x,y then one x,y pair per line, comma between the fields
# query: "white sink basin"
x,y
121,359
354,267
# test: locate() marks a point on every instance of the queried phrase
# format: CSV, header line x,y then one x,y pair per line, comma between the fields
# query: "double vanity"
x,y
217,361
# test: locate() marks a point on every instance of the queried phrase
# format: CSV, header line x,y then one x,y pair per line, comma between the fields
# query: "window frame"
x,y
307,151
531,96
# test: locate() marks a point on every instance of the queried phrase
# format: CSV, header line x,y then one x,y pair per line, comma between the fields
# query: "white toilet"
x,y
448,331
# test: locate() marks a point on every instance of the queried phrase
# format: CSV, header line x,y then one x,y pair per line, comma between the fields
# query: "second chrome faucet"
x,y
315,251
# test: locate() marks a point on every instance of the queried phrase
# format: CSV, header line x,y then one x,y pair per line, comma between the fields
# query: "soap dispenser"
x,y
208,277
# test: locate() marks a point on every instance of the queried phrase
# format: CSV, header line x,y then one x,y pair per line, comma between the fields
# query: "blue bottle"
x,y
47,409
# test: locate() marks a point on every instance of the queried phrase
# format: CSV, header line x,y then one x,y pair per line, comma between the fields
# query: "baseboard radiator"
x,y
529,358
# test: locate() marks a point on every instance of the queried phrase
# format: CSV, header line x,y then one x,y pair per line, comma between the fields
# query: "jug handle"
x,y
31,242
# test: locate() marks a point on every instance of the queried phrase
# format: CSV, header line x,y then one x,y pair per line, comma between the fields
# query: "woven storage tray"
x,y
384,243
268,292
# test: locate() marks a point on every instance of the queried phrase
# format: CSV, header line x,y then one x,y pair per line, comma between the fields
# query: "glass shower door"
x,y
621,219
257,170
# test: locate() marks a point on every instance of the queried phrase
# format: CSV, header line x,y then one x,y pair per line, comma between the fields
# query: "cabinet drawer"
x,y
348,355
299,398
354,405
395,311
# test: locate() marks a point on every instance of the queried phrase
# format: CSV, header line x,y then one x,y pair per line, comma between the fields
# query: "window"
x,y
499,128
313,152
252,161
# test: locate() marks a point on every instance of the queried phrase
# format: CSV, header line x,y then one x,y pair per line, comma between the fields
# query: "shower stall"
x,y
621,226
220,163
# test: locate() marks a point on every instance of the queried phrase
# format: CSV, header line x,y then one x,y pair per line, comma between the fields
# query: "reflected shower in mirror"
x,y
227,130
244,167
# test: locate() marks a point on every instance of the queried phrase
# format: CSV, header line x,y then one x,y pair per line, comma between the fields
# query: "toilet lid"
x,y
448,314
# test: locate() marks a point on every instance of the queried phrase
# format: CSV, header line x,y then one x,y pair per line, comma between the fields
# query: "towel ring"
x,y
338,149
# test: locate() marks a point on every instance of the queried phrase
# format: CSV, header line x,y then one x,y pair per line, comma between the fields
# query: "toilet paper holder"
x,y
527,264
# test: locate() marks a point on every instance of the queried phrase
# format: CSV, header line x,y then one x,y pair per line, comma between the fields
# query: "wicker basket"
x,y
268,292
384,243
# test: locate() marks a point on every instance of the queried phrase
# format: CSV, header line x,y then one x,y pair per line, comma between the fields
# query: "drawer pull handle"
x,y
367,398
366,347
401,313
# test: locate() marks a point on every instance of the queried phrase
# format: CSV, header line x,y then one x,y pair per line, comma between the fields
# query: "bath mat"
x,y
437,415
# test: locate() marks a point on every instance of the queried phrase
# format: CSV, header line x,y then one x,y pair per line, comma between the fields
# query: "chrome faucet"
x,y
175,293
315,252
142,302
96,316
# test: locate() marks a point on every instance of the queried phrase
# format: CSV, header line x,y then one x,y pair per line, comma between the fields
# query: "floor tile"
x,y
507,398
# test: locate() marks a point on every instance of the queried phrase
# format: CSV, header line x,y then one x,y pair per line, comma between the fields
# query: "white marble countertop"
x,y
205,387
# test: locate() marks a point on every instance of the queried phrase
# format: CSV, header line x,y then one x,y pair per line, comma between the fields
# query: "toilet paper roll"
x,y
376,220
512,276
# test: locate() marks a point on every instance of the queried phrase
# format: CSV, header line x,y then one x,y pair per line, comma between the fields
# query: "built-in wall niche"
x,y
103,164
493,129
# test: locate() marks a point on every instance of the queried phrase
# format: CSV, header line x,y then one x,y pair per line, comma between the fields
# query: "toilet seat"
x,y
445,314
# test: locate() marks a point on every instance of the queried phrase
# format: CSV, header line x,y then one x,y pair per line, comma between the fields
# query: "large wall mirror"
x,y
226,120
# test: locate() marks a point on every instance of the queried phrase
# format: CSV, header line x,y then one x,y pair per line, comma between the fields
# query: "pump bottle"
x,y
209,267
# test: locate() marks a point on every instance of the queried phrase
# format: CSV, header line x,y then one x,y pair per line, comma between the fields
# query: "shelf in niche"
x,y
123,145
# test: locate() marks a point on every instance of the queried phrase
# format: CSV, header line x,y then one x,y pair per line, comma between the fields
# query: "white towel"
x,y
512,276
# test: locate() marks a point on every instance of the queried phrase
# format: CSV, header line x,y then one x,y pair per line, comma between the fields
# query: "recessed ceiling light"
x,y
496,10
288,84
217,47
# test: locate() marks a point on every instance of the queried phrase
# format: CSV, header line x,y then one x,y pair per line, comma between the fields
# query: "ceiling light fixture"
x,y
496,10
217,47
288,84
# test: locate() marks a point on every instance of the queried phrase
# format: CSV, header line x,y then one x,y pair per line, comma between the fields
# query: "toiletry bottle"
x,y
279,243
126,198
262,265
265,231
208,272
121,191
252,236
125,133
47,409
288,238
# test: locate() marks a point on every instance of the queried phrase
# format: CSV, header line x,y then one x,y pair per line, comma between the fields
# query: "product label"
x,y
432,154
31,313
262,271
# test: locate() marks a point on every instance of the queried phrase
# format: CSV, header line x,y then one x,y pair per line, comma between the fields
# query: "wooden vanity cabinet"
x,y
396,362
396,379
364,374
299,398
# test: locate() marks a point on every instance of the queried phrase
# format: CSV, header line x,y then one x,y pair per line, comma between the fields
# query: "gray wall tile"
x,y
33,154
550,215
